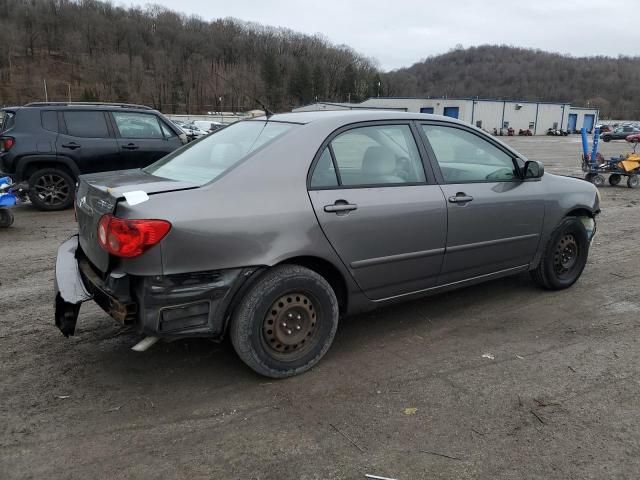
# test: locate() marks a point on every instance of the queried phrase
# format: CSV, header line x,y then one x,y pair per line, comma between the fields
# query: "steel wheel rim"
x,y
290,327
51,189
566,254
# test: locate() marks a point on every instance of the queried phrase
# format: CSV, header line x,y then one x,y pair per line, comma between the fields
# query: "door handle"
x,y
130,146
70,145
340,207
461,197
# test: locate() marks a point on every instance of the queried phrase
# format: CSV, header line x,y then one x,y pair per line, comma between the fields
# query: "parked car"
x,y
207,125
190,130
620,133
47,145
273,228
633,138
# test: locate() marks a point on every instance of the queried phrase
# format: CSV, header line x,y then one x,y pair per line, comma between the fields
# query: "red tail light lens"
x,y
6,143
129,238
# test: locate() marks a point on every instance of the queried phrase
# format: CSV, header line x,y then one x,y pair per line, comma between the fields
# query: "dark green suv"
x,y
47,145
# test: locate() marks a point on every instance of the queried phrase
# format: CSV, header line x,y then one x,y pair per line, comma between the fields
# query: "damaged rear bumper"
x,y
69,288
167,306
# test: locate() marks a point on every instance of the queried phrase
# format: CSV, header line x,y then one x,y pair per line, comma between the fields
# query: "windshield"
x,y
204,160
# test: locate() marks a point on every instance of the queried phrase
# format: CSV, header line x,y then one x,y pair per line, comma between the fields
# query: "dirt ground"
x,y
501,381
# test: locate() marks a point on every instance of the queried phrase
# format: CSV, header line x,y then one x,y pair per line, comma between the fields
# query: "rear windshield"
x,y
204,160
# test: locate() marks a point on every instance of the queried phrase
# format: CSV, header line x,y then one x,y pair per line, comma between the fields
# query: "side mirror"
x,y
532,169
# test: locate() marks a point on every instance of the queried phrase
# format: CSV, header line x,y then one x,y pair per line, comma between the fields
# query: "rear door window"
x,y
49,120
86,124
324,175
377,155
137,125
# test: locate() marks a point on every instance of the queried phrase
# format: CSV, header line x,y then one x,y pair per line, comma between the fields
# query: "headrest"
x,y
378,161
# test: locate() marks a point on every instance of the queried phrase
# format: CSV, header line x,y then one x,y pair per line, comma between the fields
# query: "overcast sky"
x,y
398,33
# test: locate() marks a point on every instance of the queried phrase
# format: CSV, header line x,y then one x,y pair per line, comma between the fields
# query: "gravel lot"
x,y
501,380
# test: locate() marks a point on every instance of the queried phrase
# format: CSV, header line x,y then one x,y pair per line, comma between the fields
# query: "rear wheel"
x,y
286,322
633,181
564,257
614,179
51,189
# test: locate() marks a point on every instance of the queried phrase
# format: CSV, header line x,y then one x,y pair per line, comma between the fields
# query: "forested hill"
x,y
611,84
92,50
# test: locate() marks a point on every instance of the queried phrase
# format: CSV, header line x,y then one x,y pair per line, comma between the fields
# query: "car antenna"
x,y
268,113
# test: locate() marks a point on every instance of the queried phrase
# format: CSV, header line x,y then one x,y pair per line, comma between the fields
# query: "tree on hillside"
x,y
162,58
610,84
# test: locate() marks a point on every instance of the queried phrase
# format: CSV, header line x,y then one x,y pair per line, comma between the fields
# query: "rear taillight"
x,y
6,143
129,238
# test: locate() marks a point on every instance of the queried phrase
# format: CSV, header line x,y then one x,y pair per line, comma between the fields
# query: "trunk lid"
x,y
99,194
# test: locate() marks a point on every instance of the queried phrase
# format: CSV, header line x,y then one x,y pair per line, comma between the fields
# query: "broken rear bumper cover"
x,y
166,306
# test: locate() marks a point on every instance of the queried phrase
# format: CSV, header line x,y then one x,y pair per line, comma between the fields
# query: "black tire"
x,y
559,269
51,189
6,218
633,181
597,180
259,332
614,179
606,138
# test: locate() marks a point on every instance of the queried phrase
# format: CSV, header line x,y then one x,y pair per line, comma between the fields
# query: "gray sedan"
x,y
274,228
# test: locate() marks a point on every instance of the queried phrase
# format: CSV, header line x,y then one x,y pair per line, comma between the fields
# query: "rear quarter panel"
x,y
258,213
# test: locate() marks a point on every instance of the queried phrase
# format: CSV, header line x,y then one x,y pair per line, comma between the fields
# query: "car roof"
x,y
351,116
82,106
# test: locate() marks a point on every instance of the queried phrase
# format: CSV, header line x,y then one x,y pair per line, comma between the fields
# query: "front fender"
x,y
565,196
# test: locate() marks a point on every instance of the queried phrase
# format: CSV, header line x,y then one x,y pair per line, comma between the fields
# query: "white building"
x,y
483,113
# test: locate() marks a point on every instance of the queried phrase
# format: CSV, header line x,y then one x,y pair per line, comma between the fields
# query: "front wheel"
x,y
606,138
564,257
597,180
6,218
286,322
633,181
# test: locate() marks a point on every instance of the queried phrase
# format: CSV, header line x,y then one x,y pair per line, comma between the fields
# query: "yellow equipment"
x,y
630,163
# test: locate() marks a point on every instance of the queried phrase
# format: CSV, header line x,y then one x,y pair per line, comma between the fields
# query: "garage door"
x,y
451,112
588,122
